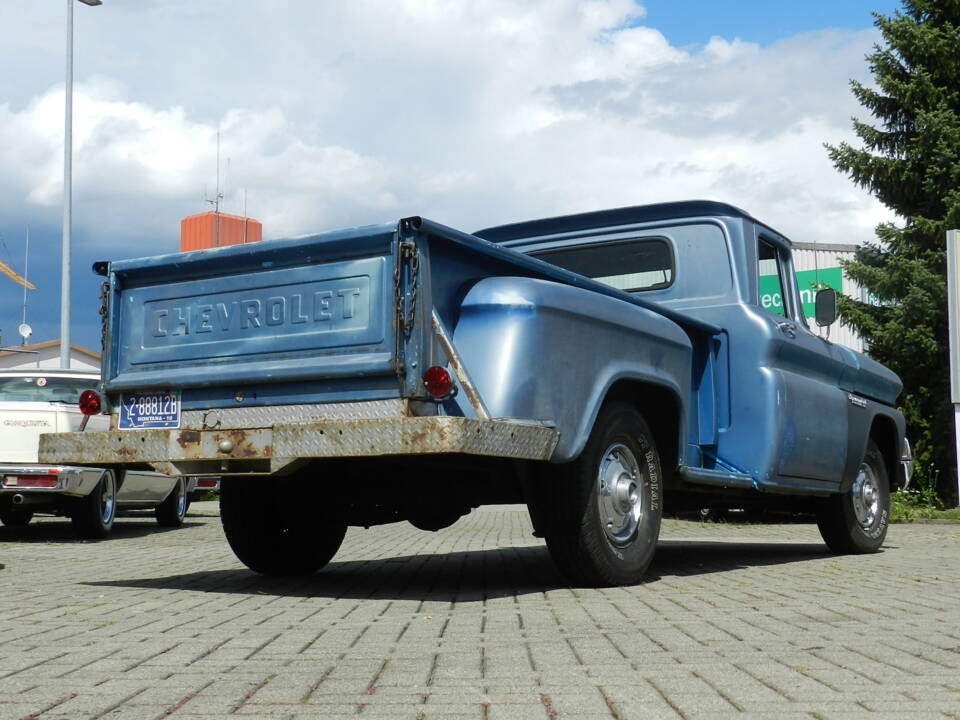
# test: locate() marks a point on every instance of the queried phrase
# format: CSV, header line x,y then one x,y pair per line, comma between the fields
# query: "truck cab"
x,y
779,406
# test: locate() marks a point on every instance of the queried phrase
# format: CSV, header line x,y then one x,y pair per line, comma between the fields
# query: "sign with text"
x,y
809,281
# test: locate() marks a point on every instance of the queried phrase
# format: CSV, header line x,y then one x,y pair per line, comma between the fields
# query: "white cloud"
x,y
473,113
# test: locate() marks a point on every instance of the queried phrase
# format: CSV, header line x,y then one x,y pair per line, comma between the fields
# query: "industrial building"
x,y
818,265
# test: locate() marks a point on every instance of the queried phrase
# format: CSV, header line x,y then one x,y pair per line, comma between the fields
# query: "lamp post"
x,y
68,193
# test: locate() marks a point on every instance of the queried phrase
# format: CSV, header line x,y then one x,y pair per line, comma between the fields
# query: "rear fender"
x,y
545,351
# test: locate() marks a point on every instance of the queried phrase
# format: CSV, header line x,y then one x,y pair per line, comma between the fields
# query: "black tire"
x,y
171,511
603,521
94,514
273,531
15,517
855,521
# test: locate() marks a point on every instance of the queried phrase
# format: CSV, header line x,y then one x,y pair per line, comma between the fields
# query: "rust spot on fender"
x,y
246,444
418,440
124,453
188,437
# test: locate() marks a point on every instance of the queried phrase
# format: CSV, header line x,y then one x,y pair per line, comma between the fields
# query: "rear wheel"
x,y
93,515
15,517
603,521
171,511
856,520
273,532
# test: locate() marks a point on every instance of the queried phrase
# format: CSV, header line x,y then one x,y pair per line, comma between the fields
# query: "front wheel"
x,y
604,518
274,531
855,521
171,511
93,515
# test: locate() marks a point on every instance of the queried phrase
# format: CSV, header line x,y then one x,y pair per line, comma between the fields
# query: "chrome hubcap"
x,y
181,499
107,497
866,497
619,494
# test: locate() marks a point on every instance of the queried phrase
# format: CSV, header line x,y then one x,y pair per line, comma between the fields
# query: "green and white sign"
x,y
809,281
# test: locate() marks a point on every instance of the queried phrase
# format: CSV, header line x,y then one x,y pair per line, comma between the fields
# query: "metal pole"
x,y
67,200
953,314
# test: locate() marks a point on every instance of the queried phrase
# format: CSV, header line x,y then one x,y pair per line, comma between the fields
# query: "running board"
x,y
731,479
717,478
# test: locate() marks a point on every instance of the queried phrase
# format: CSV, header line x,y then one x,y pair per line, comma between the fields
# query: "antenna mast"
x,y
217,198
26,261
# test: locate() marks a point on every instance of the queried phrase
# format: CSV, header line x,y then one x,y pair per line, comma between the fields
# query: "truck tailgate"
x,y
312,308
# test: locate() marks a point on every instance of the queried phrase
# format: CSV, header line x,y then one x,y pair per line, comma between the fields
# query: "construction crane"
x,y
13,275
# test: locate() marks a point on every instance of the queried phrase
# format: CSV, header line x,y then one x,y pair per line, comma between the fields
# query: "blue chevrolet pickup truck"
x,y
603,368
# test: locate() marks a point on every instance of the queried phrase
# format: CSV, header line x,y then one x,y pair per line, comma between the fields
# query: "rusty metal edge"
x,y
351,438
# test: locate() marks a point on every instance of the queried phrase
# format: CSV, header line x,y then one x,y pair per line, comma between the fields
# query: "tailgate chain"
x,y
408,255
104,303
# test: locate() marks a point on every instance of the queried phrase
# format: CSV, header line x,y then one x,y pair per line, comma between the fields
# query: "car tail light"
x,y
906,461
905,452
90,403
30,481
206,483
438,382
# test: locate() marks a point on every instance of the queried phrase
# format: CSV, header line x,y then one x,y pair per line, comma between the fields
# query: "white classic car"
x,y
35,401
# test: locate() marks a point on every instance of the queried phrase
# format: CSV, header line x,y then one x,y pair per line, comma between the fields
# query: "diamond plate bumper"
x,y
268,450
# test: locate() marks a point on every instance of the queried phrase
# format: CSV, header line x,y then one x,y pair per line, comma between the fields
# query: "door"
x,y
811,406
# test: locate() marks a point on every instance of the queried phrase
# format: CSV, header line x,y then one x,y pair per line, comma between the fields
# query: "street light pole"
x,y
68,193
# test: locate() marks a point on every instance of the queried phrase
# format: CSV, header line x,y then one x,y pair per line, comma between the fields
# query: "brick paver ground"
x,y
474,622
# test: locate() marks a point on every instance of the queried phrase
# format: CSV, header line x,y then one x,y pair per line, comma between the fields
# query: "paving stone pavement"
x,y
754,621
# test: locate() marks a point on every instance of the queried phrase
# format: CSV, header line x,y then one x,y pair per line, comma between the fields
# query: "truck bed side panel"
x,y
545,351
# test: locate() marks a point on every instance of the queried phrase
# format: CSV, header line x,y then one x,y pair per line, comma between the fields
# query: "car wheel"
x,y
856,520
14,517
171,511
604,523
273,531
93,515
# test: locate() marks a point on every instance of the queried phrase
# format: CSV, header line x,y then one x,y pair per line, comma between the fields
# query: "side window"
x,y
770,279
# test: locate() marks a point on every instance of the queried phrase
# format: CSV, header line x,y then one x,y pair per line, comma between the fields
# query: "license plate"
x,y
141,411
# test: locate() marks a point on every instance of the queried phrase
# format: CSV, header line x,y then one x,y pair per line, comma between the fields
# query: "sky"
x,y
470,112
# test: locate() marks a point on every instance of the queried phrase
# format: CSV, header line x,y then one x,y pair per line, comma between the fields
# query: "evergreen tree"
x,y
910,160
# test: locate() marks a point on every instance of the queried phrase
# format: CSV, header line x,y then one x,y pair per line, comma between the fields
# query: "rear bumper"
x,y
268,450
73,481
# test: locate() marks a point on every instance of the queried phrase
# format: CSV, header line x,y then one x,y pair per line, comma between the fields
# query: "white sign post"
x,y
953,275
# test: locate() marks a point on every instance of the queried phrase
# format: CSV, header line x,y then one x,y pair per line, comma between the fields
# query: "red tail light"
x,y
30,481
438,382
89,402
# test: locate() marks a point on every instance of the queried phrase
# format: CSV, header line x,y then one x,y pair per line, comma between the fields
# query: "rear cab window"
x,y
629,265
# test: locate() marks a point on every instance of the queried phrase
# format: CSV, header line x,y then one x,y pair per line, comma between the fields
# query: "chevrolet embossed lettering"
x,y
326,308
321,306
